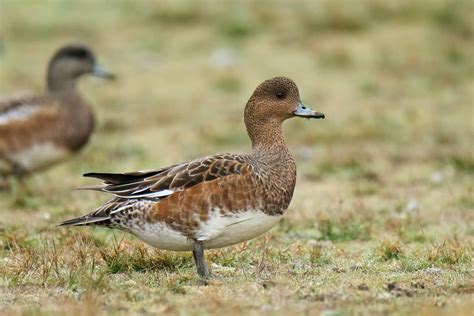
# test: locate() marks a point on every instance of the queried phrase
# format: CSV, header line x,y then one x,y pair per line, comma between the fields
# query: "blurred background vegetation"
x,y
394,78
392,72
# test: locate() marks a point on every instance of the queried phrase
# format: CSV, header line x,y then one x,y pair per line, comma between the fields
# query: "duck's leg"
x,y
199,259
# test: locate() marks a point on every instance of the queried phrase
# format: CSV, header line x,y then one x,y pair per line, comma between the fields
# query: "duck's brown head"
x,y
274,101
278,99
71,62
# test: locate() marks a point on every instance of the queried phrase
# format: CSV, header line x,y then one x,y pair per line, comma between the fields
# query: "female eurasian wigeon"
x,y
215,201
37,131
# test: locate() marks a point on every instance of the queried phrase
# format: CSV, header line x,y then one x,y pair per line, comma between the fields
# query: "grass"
x,y
381,220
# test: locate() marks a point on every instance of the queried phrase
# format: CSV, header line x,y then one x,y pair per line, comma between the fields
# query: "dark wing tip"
x,y
112,178
84,220
93,174
119,178
70,222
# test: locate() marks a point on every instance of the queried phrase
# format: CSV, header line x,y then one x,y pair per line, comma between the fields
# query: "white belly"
x,y
221,231
217,232
38,156
159,235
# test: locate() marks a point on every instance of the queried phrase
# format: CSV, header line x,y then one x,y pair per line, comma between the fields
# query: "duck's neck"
x,y
274,164
267,137
269,148
60,82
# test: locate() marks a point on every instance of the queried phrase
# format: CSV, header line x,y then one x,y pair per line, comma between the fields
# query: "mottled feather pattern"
x,y
172,179
139,189
117,213
228,183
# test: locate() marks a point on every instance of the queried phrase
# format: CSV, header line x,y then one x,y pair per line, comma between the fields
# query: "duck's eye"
x,y
280,95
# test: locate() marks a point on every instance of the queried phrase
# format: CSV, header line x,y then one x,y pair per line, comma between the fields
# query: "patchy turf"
x,y
382,218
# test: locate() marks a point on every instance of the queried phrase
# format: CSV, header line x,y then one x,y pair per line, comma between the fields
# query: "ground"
x,y
381,221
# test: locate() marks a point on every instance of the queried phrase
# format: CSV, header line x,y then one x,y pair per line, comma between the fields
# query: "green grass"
x,y
381,219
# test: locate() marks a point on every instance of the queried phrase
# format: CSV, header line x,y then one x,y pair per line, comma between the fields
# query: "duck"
x,y
37,131
215,201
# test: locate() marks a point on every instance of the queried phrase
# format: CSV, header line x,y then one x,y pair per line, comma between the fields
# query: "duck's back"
x,y
37,131
218,200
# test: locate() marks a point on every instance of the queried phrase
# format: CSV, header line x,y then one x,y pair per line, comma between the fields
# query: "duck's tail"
x,y
100,217
86,221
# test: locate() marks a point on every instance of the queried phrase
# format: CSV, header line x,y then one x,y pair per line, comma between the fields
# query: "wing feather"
x,y
20,107
166,181
141,189
26,122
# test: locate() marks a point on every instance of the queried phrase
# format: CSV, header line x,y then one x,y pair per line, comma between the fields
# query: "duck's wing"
x,y
27,121
136,190
166,181
19,108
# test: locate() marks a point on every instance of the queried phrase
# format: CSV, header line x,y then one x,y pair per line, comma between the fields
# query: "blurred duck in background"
x,y
37,131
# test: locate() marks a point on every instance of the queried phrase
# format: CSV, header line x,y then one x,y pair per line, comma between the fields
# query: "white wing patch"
x,y
157,194
18,113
